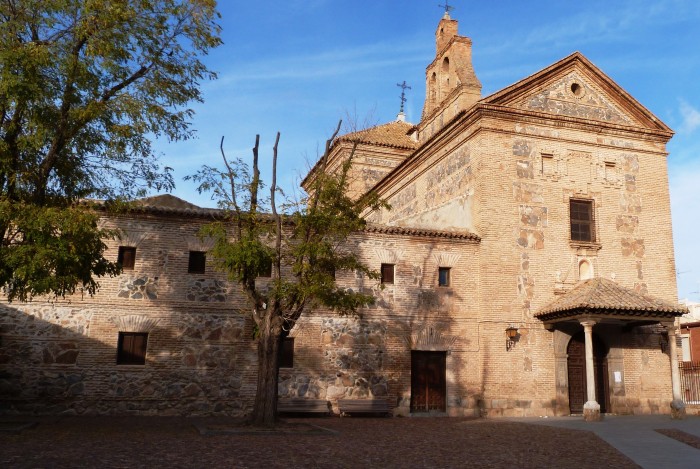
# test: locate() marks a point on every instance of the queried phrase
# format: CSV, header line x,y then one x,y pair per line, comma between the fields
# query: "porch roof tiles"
x,y
392,134
603,296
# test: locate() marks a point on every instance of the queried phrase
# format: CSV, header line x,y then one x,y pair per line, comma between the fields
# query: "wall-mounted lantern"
x,y
511,336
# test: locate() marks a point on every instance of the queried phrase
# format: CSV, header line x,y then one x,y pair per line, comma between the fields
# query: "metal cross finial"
x,y
448,8
403,87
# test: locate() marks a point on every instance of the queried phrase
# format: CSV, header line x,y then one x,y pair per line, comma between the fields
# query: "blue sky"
x,y
298,66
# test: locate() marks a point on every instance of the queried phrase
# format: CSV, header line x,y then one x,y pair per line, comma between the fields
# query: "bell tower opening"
x,y
450,71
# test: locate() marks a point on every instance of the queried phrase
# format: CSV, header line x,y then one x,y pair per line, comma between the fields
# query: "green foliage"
x,y
84,85
52,250
306,244
311,247
243,260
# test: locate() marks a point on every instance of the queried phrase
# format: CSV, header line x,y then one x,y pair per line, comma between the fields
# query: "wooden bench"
x,y
303,406
364,406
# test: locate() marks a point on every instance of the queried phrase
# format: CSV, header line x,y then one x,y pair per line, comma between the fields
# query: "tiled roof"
x,y
393,134
603,296
164,204
399,230
167,204
165,201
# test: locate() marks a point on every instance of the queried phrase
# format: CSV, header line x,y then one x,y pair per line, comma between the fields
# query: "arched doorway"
x,y
576,364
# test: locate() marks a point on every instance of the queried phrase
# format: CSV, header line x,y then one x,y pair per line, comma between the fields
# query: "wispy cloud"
x,y
325,63
617,21
691,117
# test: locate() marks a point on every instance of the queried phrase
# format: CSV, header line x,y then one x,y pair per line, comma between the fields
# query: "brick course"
x,y
501,170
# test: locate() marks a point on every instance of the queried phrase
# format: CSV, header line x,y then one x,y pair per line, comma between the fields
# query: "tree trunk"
x,y
265,410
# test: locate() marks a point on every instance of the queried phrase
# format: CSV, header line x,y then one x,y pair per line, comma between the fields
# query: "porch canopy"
x,y
603,300
600,300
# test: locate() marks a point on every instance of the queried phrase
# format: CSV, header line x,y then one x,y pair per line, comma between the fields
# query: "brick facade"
x,y
485,192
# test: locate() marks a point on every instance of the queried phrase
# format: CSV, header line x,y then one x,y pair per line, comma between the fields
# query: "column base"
x,y
591,411
677,409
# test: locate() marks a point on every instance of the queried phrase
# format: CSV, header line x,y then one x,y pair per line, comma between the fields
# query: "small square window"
x,y
197,263
388,273
444,276
267,272
610,170
547,163
285,354
131,348
327,268
126,257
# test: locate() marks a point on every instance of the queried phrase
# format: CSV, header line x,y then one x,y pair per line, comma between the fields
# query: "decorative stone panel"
x,y
207,290
138,288
210,327
533,215
632,247
60,353
527,193
631,203
208,356
586,101
627,223
448,179
45,321
533,239
353,344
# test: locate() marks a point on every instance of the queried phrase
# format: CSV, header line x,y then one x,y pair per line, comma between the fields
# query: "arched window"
x,y
446,64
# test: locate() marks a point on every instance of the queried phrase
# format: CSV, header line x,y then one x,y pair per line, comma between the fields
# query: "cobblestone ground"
x,y
132,442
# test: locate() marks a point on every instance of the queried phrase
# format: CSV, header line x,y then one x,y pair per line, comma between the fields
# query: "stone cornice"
x,y
577,123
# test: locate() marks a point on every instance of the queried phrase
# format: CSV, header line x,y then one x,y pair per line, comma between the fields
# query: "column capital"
x,y
588,322
670,327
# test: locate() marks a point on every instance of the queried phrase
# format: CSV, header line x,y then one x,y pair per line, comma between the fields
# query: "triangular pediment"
x,y
574,87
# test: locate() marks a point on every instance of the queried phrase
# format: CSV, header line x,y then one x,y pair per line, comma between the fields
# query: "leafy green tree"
x,y
84,87
303,242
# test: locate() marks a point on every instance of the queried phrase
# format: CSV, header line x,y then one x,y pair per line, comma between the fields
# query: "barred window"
x,y
582,221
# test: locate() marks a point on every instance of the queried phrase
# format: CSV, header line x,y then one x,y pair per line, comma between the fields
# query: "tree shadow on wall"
x,y
50,364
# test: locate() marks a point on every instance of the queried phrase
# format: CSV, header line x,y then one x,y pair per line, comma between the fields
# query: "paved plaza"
x,y
637,438
113,442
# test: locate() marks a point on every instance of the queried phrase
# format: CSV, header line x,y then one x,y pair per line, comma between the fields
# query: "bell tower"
x,y
450,82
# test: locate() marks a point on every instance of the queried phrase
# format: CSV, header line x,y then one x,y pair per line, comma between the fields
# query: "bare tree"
x,y
302,242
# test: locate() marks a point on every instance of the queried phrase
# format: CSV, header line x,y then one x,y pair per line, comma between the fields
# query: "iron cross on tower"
x,y
448,8
403,87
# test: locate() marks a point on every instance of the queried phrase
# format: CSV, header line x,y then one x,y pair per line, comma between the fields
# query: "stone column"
x,y
591,409
677,404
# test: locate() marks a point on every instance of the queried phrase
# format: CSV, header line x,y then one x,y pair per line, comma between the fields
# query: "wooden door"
x,y
576,363
428,382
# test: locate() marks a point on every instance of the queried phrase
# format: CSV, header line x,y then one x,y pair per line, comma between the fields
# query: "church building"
x,y
527,269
